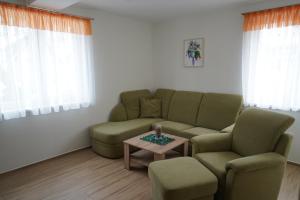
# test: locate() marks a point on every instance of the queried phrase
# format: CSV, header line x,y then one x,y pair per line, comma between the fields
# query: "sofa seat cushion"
x,y
181,178
228,129
184,107
175,128
199,131
117,132
216,162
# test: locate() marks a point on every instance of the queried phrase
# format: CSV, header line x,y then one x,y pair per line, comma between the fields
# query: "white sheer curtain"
x,y
271,67
42,71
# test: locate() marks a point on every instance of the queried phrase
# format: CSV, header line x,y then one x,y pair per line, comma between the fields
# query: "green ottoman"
x,y
181,179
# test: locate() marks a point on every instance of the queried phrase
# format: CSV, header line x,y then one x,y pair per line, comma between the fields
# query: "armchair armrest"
x,y
213,142
118,113
256,162
255,177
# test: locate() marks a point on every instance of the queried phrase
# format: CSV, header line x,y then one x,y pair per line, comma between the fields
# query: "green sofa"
x,y
249,162
183,113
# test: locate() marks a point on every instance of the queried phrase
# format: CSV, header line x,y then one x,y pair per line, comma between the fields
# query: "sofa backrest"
x,y
131,101
165,95
258,131
217,111
184,106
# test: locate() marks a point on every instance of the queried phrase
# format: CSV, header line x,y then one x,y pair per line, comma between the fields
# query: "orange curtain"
x,y
13,15
278,17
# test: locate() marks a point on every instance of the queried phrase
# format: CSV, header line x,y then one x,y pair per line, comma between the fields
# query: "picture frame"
x,y
193,55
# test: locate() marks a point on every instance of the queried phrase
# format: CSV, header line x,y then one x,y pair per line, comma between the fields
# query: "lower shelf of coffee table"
x,y
144,157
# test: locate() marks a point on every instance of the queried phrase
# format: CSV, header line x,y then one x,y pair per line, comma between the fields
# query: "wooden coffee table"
x,y
158,151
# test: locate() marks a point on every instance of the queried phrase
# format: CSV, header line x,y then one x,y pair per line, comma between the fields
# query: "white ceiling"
x,y
53,5
156,10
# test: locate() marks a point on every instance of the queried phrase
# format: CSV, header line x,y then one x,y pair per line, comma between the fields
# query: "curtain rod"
x,y
269,9
48,10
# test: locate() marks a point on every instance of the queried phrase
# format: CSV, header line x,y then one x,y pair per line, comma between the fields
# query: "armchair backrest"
x,y
259,131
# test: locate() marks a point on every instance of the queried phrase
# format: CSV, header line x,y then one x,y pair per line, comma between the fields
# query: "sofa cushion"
x,y
199,131
218,111
131,101
257,131
175,128
118,113
165,95
216,162
150,107
228,129
184,107
181,178
117,132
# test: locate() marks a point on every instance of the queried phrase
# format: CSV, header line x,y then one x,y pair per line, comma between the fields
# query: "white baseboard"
x,y
293,163
81,148
46,159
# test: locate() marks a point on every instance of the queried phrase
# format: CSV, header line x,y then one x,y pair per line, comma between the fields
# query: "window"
x,y
271,58
45,62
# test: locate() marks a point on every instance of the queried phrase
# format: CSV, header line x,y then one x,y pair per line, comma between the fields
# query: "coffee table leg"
x,y
185,149
126,156
159,156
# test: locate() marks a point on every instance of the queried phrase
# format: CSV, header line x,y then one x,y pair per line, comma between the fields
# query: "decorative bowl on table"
x,y
157,137
157,128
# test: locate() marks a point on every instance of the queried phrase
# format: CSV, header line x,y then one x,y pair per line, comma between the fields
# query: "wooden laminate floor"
x,y
84,175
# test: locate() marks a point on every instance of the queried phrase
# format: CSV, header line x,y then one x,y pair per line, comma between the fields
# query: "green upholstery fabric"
x,y
249,177
284,144
118,113
255,177
228,129
257,131
216,162
199,131
214,142
181,179
218,111
184,107
165,95
131,101
150,107
117,132
107,150
175,128
256,162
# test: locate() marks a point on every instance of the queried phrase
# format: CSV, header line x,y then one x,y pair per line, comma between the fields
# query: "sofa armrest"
x,y
212,142
256,162
118,113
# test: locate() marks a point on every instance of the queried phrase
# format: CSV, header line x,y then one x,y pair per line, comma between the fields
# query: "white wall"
x,y
123,61
222,31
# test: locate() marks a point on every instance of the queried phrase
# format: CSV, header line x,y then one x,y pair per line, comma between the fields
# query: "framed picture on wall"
x,y
194,52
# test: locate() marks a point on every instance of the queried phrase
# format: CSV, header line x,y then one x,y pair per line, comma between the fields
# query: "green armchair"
x,y
249,162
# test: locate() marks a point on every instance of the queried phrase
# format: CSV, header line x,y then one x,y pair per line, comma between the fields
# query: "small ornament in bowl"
x,y
158,129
